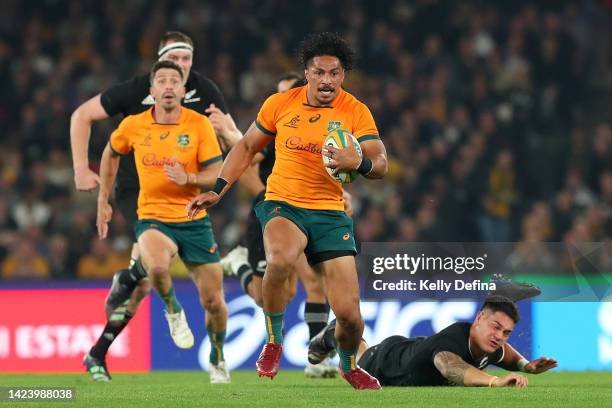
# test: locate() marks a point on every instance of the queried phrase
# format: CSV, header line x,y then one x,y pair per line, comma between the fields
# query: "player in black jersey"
x,y
127,98
249,264
456,355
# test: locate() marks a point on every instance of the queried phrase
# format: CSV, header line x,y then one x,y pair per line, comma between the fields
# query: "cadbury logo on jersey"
x,y
295,143
151,160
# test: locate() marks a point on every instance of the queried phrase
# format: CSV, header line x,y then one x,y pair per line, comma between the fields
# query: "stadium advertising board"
x,y
50,331
579,335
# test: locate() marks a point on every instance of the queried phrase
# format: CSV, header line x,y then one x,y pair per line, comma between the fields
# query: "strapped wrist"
x,y
365,167
219,186
521,364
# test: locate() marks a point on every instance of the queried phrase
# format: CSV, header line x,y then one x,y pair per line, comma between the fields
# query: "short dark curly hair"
x,y
326,43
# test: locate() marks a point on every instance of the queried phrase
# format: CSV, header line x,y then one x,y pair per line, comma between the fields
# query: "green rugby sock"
x,y
347,359
216,346
274,326
171,301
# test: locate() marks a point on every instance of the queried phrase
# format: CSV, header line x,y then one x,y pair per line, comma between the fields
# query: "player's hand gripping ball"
x,y
340,139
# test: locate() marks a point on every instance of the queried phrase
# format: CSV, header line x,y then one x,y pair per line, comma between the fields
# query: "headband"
x,y
174,46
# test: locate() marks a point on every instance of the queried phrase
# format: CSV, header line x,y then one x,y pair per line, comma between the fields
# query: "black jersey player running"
x,y
128,98
456,355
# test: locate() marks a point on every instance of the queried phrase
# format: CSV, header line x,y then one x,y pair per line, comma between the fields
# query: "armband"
x,y
365,167
219,185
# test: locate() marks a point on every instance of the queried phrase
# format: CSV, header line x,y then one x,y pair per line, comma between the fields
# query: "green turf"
x,y
291,389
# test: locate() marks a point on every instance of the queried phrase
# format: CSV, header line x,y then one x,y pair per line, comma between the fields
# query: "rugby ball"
x,y
340,138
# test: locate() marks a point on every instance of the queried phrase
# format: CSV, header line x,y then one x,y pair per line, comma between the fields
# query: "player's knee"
x,y
157,271
279,265
349,318
212,303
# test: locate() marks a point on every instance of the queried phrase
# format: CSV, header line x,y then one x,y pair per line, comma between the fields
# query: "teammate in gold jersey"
x,y
176,153
303,208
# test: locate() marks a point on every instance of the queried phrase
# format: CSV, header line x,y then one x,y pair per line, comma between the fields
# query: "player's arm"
x,y
229,135
204,178
80,128
514,361
236,162
108,174
225,127
240,157
207,175
374,158
458,372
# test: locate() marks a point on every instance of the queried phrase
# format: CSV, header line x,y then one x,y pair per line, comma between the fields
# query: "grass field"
x,y
291,389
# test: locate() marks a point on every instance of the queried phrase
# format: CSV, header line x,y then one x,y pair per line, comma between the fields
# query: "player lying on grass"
x,y
457,355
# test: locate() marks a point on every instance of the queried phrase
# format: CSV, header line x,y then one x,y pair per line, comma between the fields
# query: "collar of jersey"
x,y
305,100
153,122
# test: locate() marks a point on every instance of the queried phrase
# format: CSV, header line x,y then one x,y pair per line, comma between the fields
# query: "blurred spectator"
x,y
31,210
8,229
101,262
499,199
58,257
24,262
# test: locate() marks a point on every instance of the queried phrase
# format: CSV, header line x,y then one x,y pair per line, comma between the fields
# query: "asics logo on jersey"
x,y
346,236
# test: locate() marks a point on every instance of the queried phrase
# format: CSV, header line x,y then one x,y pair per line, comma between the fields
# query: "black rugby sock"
x,y
112,329
316,316
245,275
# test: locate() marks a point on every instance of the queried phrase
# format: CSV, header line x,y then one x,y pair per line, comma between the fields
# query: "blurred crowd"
x,y
495,115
